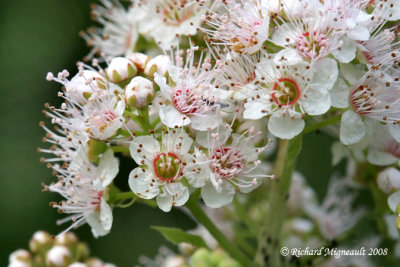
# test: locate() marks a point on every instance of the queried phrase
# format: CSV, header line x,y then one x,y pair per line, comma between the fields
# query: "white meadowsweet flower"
x,y
162,166
375,96
388,9
383,149
287,93
166,20
311,38
349,17
103,115
233,163
188,94
243,28
83,185
81,86
382,49
389,180
335,215
119,32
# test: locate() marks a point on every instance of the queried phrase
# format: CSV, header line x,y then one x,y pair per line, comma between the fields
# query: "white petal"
x,y
253,110
317,101
205,122
285,127
171,117
175,194
351,73
165,89
147,144
213,199
93,219
380,158
339,94
360,33
106,217
204,139
394,200
325,73
291,57
339,152
174,137
280,37
394,130
197,178
352,128
389,180
108,168
139,182
347,51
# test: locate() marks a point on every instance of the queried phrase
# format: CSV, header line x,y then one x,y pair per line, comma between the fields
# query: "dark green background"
x,y
37,36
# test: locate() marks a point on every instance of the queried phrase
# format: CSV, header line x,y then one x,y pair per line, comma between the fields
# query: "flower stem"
x,y
201,216
321,124
269,243
120,149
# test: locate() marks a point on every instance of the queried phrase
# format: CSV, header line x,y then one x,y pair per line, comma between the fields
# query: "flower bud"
x,y
40,241
120,70
139,92
78,264
158,64
66,239
20,258
58,256
389,180
140,60
82,85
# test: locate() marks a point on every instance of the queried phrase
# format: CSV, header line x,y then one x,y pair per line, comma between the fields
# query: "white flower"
x,y
162,166
81,86
389,180
335,216
287,93
383,149
103,115
165,20
309,39
244,28
119,32
375,96
83,185
233,162
388,9
188,94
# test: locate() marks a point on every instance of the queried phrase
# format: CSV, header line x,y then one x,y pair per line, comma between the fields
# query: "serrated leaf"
x,y
176,236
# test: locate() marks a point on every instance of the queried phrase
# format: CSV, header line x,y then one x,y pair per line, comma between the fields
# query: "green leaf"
x,y
176,236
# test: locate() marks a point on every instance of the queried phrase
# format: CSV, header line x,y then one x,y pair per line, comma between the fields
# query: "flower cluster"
x,y
192,90
62,251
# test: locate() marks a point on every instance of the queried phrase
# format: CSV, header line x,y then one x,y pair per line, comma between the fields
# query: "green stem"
x,y
199,214
319,125
269,243
120,149
122,196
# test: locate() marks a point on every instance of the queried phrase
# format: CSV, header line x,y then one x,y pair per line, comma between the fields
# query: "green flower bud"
x,y
201,258
120,70
40,242
140,60
139,92
158,64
